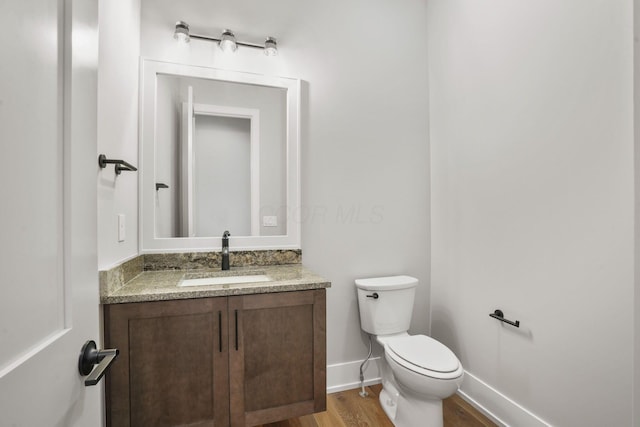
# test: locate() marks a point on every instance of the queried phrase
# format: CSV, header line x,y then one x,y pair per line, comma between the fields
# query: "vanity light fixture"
x,y
270,47
227,40
182,32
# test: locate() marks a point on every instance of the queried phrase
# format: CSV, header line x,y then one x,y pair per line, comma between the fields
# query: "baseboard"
x,y
504,411
346,376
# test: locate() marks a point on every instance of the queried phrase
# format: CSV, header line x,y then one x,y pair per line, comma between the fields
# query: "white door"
x,y
48,263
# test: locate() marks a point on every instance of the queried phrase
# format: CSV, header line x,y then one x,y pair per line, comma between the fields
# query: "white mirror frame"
x,y
149,243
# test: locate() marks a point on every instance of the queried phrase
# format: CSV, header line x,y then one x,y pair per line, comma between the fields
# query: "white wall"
x,y
119,52
636,80
532,203
365,164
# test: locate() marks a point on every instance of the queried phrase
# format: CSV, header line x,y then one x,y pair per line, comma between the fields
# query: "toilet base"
x,y
389,401
410,411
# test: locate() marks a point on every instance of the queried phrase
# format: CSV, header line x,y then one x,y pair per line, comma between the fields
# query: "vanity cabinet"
x,y
227,361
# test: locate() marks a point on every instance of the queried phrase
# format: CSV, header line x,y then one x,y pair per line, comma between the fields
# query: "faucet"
x,y
225,250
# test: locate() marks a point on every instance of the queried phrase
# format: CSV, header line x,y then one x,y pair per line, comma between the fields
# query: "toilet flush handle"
x,y
373,295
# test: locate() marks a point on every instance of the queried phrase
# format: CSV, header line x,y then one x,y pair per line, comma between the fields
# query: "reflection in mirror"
x,y
221,175
211,138
219,152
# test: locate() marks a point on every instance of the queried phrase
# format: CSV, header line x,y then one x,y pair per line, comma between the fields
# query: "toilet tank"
x,y
390,312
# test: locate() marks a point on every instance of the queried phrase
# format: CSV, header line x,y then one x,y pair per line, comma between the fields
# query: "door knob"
x,y
91,356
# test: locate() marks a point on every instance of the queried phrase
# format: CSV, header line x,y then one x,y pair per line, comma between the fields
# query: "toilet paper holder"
x,y
498,314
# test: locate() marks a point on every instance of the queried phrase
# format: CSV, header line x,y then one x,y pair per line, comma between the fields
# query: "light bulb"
x,y
181,33
270,47
228,41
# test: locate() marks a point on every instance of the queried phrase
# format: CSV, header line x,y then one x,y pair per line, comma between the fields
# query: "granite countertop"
x,y
163,285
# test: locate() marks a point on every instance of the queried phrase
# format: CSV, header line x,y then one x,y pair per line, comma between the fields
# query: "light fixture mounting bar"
x,y
259,46
213,39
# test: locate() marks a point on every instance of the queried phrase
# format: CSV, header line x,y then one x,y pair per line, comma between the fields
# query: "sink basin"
x,y
225,280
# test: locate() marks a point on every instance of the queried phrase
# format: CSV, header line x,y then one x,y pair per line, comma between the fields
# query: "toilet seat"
x,y
424,355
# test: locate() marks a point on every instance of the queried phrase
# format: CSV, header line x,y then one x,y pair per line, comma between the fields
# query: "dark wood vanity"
x,y
239,360
234,353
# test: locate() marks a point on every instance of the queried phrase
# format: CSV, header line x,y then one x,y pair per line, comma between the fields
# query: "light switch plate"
x,y
121,228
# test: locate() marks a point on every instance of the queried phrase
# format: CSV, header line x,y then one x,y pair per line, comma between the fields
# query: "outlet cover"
x,y
269,221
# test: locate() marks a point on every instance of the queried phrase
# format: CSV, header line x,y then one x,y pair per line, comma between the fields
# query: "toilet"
x,y
418,372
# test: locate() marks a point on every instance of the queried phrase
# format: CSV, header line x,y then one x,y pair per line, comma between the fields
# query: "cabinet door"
x,y
277,358
173,363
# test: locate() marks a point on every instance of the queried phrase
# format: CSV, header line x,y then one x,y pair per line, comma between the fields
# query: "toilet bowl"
x,y
418,372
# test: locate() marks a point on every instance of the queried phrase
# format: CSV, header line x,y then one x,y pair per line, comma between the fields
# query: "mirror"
x,y
211,137
219,151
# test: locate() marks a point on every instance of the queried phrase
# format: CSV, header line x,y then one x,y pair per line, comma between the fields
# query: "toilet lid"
x,y
387,283
424,352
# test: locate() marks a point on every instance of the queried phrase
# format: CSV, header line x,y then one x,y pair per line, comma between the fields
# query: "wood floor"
x,y
348,409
